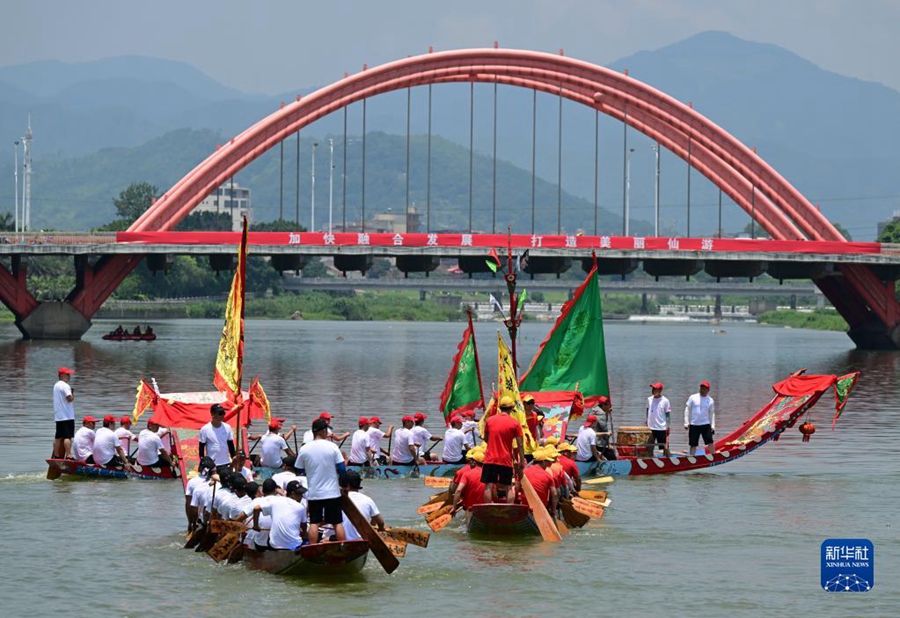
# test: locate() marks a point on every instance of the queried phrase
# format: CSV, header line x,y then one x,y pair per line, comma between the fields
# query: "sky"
x,y
276,46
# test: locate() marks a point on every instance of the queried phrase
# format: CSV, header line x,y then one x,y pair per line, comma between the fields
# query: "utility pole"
x,y
330,181
16,174
26,196
312,211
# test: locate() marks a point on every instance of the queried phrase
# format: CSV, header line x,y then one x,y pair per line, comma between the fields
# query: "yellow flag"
x,y
230,359
508,384
142,400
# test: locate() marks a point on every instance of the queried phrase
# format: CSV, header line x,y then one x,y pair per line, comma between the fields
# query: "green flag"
x,y
574,352
463,388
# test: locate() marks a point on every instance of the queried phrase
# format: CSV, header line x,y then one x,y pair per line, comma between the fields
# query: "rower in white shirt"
x,y
421,437
272,445
126,439
83,442
308,436
352,483
200,477
259,540
470,428
107,451
289,519
404,452
150,451
454,441
374,454
359,444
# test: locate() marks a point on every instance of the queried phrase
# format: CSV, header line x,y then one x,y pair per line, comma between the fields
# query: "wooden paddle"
x,y
439,497
377,545
53,472
219,526
425,509
586,507
541,517
223,548
438,481
441,522
443,510
413,537
562,527
598,481
397,547
587,494
572,517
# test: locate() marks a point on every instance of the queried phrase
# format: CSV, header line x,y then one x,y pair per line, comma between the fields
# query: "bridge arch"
x,y
744,176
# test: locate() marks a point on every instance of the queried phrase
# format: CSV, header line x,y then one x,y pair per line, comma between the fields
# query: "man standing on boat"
x,y
359,445
700,418
83,442
217,439
323,462
404,451
505,449
454,441
658,412
352,483
63,414
107,450
373,450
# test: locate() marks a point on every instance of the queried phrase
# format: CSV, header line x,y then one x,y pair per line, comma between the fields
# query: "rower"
x,y
505,448
107,450
287,473
533,419
404,451
83,442
374,453
259,540
217,439
566,460
421,436
288,515
470,490
352,483
323,462
137,330
197,479
586,442
469,427
359,445
150,450
272,445
539,475
148,330
604,435
123,433
308,437
454,440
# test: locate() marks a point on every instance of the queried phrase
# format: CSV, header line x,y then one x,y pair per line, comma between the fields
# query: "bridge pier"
x,y
868,304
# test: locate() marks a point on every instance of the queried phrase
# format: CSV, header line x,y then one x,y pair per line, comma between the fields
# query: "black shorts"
x,y
659,436
461,461
65,430
403,463
695,431
221,470
493,473
327,511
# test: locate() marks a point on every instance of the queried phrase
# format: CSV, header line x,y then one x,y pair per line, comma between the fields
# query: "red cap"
x,y
590,420
363,421
705,383
418,416
658,385
469,413
602,399
125,420
276,422
109,418
66,370
325,415
456,419
374,420
408,418
89,419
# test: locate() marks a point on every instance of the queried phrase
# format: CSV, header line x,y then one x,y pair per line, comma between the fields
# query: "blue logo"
x,y
848,565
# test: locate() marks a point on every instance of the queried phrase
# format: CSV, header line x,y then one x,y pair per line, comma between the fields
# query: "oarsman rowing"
x,y
63,414
374,451
107,450
150,451
567,461
404,451
288,473
126,438
534,418
198,478
259,539
217,439
352,484
505,449
470,490
323,462
586,442
308,436
289,517
359,445
83,442
454,442
229,502
604,428
272,446
421,437
542,480
469,428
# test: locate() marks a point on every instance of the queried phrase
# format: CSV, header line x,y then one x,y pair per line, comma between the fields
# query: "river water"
x,y
739,539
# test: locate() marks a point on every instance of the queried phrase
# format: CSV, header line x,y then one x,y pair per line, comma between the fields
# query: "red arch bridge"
x,y
857,278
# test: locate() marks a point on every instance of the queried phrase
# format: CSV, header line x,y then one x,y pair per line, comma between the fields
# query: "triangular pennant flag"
x,y
493,262
496,303
463,388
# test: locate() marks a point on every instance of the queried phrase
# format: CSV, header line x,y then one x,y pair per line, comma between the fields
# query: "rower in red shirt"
x,y
471,490
501,433
542,479
566,453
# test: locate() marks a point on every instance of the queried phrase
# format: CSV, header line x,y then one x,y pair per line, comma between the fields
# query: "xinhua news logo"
x,y
848,565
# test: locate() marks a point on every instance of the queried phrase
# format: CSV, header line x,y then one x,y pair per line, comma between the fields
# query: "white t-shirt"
x,y
658,410
192,485
470,435
420,436
358,446
287,516
400,452
700,411
105,443
587,437
261,538
126,439
320,459
202,496
63,410
375,436
308,437
216,441
271,446
224,502
149,445
367,509
83,443
283,478
453,444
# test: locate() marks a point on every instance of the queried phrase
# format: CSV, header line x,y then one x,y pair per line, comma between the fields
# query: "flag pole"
x,y
242,268
512,323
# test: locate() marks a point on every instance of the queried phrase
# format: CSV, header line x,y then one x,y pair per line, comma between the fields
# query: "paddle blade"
x,y
443,496
440,523
398,548
227,544
586,507
425,509
194,538
413,537
599,481
573,517
53,472
541,517
438,481
218,526
598,496
444,510
379,548
562,527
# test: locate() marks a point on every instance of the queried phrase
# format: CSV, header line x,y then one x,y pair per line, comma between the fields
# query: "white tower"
x,y
26,192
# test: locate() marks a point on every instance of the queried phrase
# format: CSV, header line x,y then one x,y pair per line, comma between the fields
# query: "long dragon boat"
x,y
502,520
136,471
322,559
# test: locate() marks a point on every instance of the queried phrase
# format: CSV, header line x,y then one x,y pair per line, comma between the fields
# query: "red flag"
x,y
144,399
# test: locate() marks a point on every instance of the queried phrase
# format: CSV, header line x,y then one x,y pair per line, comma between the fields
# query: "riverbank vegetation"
x,y
823,319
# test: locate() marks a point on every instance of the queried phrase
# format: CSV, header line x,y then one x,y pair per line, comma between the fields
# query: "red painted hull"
x,y
129,337
78,468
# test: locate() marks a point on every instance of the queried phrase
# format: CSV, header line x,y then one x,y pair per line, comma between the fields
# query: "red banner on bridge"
x,y
487,241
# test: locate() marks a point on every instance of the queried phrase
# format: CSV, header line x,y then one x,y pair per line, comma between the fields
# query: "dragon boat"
x,y
323,559
129,337
136,471
499,519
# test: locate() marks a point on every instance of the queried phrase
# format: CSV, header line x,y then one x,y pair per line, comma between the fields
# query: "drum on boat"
x,y
632,441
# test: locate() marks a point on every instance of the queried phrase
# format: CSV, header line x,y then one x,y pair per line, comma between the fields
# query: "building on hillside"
x,y
396,223
884,224
229,198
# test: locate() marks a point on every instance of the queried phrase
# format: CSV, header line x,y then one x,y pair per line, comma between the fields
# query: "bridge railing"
x,y
57,238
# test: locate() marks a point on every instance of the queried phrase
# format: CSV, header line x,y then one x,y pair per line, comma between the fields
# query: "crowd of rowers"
x,y
111,447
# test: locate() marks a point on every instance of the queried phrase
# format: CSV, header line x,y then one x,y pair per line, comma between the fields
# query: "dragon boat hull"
x,y
323,559
502,520
80,468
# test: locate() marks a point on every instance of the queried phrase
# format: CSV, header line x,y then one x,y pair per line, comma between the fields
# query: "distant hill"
x,y
831,135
